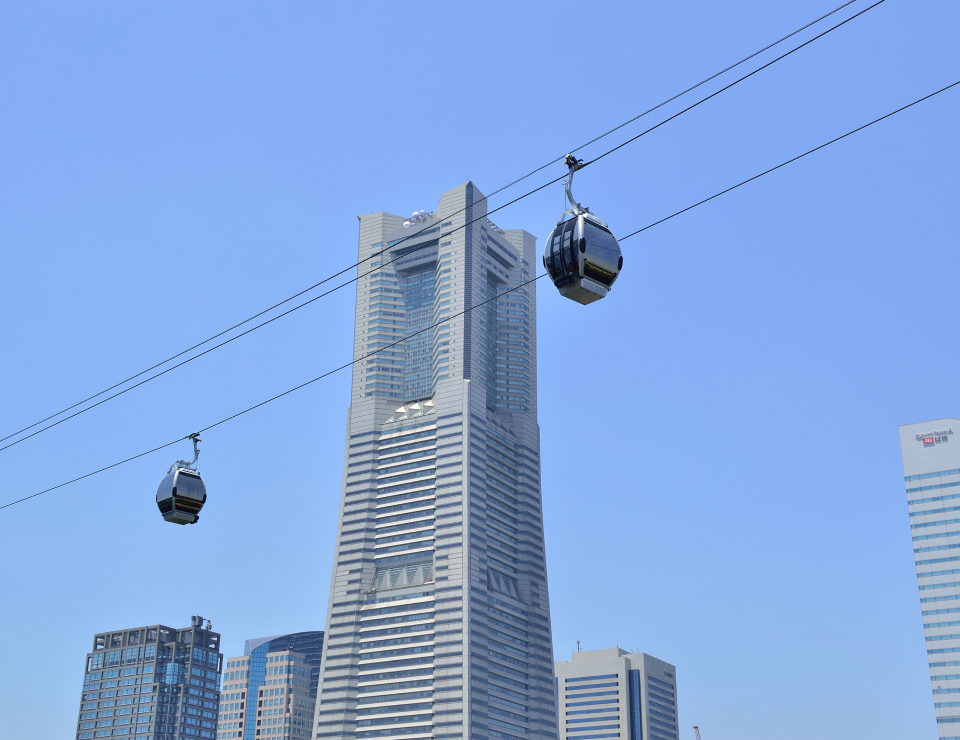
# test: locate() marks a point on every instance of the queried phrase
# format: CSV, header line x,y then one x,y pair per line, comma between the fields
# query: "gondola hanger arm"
x,y
573,164
195,437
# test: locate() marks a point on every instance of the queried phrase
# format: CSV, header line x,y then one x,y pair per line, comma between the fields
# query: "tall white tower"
x,y
931,469
438,622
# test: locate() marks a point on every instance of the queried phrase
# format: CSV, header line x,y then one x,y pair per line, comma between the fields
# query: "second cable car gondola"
x,y
581,255
182,492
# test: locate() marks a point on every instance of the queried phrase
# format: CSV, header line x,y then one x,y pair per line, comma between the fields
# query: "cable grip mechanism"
x,y
195,437
573,164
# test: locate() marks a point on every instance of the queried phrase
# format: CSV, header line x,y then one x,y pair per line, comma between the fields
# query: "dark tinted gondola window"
x,y
571,263
166,487
555,267
593,272
602,255
190,486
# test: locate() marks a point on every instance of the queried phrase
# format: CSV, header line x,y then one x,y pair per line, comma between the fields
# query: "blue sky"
x,y
723,488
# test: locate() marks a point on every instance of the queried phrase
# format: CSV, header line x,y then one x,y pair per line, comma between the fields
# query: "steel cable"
x,y
413,234
482,303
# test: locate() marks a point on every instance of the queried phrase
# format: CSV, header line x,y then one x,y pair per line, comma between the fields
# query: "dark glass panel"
x,y
571,263
190,486
602,255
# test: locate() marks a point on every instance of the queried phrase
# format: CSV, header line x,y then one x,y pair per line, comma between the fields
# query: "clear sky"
x,y
721,471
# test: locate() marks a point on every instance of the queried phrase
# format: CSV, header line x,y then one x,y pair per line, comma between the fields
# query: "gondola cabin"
x,y
181,496
583,258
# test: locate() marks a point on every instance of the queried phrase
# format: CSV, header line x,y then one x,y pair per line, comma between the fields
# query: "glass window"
x,y
190,486
603,254
571,262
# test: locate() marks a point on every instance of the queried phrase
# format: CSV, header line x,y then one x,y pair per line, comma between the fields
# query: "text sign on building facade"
x,y
934,437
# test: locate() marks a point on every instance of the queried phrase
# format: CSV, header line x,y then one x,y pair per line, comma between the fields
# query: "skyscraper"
x,y
289,667
438,622
614,693
931,470
152,683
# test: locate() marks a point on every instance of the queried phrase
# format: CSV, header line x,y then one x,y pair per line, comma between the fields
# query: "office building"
x,y
614,693
931,470
152,683
289,666
284,706
438,622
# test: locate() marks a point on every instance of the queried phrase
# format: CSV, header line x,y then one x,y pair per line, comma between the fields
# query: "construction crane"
x,y
697,730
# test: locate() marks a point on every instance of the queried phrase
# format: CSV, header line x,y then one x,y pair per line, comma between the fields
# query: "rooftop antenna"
x,y
578,646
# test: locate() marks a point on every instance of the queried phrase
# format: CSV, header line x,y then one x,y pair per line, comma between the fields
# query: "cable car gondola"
x,y
581,254
182,493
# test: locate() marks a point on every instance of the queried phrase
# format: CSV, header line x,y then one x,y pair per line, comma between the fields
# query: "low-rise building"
x,y
616,694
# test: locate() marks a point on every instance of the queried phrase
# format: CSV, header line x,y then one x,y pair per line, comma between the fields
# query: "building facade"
x,y
152,683
284,706
616,694
235,715
438,621
241,710
931,470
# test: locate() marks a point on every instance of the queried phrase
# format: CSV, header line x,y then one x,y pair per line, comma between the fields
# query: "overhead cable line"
x,y
735,82
254,328
357,264
679,95
790,161
287,392
478,305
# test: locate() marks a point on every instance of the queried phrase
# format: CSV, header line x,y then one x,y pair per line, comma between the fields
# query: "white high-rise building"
x,y
616,694
931,469
438,622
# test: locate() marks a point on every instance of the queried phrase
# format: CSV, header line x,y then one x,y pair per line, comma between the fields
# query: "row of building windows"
x,y
936,487
596,719
935,548
916,501
927,512
928,586
931,599
591,686
935,536
940,523
923,476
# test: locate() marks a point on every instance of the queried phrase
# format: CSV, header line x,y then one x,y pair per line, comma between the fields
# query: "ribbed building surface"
x,y
931,472
438,620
